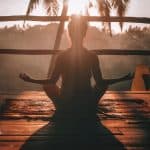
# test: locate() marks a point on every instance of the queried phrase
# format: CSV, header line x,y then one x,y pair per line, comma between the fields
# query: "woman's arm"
x,y
100,81
53,79
97,74
124,78
27,78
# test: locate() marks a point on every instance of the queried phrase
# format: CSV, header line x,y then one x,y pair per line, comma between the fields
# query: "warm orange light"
x,y
78,7
81,7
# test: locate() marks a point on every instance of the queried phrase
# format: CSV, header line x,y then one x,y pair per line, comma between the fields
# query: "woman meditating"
x,y
76,66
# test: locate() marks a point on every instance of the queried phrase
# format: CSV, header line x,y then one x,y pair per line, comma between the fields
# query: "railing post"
x,y
58,36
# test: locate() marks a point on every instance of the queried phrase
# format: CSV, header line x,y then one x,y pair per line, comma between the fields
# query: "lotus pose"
x,y
76,66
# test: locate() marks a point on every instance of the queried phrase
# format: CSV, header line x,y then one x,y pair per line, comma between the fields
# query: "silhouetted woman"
x,y
76,66
76,100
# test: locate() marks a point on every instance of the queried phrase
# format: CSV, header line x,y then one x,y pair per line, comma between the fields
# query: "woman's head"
x,y
77,27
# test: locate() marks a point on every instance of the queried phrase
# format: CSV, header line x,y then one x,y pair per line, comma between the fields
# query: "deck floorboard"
x,y
25,118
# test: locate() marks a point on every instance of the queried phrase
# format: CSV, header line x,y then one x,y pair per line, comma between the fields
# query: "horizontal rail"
x,y
52,52
90,18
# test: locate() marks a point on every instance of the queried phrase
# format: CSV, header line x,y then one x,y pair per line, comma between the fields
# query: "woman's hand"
x,y
25,77
129,76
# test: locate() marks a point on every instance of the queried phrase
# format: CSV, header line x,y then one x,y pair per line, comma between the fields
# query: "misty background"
x,y
43,37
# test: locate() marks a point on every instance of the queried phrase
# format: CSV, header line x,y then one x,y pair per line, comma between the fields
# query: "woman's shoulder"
x,y
91,54
62,53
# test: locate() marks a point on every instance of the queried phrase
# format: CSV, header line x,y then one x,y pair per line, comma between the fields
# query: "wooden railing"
x,y
89,18
61,18
52,52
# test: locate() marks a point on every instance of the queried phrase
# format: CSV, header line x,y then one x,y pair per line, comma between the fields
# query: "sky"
x,y
136,8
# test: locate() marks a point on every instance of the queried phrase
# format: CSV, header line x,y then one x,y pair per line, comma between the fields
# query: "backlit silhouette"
x,y
76,100
76,66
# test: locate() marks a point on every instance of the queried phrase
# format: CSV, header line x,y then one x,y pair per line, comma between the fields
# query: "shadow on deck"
x,y
123,123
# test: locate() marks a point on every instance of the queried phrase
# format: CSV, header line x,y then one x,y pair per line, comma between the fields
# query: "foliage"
x,y
50,5
104,7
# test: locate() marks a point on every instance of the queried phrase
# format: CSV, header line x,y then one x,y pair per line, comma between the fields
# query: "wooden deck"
x,y
25,122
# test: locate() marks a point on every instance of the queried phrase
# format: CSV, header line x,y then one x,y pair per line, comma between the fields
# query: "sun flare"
x,y
78,7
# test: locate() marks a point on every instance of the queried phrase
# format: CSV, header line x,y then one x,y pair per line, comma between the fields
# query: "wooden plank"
x,y
129,123
53,52
132,131
127,95
134,140
114,107
11,145
130,140
25,116
41,93
126,123
44,130
102,116
23,122
17,145
137,147
109,95
90,18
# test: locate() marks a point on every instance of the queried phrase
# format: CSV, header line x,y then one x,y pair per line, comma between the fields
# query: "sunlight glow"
x,y
78,7
39,11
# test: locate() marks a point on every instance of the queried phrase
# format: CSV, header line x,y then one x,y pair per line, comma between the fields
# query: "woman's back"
x,y
76,93
76,72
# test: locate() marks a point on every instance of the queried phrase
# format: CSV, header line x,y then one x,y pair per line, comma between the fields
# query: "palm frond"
x,y
32,5
105,7
51,6
120,6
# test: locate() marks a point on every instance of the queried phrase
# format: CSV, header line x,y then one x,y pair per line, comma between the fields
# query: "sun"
x,y
82,7
77,7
